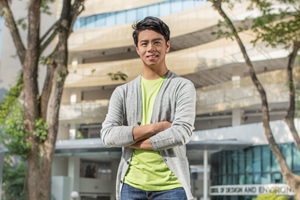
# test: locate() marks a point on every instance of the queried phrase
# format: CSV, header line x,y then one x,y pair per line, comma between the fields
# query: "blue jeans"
x,y
132,193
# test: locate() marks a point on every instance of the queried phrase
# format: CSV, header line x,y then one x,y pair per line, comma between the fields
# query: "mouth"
x,y
152,57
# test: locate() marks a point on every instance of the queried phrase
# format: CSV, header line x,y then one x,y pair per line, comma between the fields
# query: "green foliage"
x,y
117,76
13,136
271,196
275,26
14,176
10,100
45,8
22,22
41,129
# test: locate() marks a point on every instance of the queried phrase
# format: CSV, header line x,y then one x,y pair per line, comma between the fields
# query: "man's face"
x,y
152,48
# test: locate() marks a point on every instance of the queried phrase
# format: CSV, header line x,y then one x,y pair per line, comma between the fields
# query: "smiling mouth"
x,y
152,57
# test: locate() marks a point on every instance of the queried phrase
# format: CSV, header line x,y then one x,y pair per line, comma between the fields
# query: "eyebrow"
x,y
152,40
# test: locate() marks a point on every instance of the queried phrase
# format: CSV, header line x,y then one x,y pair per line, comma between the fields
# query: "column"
x,y
237,114
205,160
74,173
72,132
114,171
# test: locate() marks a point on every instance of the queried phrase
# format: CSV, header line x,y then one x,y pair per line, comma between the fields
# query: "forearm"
x,y
143,132
143,144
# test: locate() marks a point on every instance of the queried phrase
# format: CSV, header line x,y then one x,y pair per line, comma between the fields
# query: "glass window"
x,y
153,10
176,6
256,159
90,22
229,180
219,180
235,179
275,167
187,5
266,178
110,19
249,179
276,178
76,24
164,9
241,179
100,20
120,17
266,158
141,13
287,152
229,163
224,180
249,160
81,22
241,161
131,15
234,162
296,157
256,178
224,164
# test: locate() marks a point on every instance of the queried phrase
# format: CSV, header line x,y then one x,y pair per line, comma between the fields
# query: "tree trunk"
x,y
291,179
289,118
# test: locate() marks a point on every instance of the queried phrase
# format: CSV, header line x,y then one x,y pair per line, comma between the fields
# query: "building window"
x,y
254,165
129,16
96,170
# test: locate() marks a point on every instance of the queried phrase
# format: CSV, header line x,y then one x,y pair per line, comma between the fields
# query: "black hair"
x,y
153,24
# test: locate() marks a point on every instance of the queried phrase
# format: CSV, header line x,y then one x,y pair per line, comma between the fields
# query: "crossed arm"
x,y
141,134
164,134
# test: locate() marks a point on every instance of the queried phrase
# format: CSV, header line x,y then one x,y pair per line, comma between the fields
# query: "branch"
x,y
14,31
291,179
77,8
44,99
48,41
289,118
52,28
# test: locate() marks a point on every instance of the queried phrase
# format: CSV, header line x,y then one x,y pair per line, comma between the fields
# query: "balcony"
x,y
251,133
215,98
84,112
243,93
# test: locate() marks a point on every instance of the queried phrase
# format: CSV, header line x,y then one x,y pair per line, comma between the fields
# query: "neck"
x,y
155,72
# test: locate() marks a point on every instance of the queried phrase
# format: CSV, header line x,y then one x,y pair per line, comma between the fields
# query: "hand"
x,y
142,144
161,126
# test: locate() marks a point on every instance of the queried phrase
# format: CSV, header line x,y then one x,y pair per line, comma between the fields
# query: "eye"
x,y
144,44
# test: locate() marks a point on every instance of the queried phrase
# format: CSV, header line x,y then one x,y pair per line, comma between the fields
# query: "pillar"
x,y
205,181
114,171
74,174
237,114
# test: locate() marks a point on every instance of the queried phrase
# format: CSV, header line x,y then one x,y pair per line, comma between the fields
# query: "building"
x,y
228,153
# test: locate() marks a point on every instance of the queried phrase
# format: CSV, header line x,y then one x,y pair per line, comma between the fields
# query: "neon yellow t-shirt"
x,y
147,170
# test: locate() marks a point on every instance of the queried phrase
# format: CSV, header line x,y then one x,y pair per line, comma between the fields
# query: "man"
x,y
152,118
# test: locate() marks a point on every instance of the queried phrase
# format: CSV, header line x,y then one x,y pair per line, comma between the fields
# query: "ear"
x,y
137,50
168,47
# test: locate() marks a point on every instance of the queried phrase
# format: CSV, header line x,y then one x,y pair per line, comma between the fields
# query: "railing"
x,y
225,96
85,112
242,93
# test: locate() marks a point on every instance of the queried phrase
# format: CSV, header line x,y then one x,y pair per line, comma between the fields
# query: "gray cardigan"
x,y
175,102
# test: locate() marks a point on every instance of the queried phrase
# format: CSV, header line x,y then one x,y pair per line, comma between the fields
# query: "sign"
x,y
223,190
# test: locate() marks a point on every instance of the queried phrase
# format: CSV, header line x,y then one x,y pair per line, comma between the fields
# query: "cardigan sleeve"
x,y
113,134
182,127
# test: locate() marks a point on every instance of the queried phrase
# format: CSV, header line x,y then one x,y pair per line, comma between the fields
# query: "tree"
x,y
42,134
274,33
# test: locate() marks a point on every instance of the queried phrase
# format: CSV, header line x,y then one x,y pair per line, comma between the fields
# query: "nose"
x,y
150,47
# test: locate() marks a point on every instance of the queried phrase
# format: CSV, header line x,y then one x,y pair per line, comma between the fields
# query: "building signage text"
x,y
282,189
